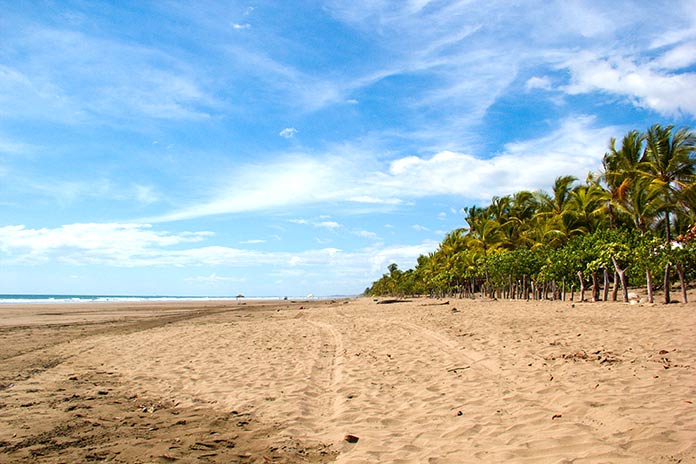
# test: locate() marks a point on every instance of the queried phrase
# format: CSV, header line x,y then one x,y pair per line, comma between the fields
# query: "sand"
x,y
413,382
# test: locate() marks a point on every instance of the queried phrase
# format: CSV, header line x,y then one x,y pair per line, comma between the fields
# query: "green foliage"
x,y
624,216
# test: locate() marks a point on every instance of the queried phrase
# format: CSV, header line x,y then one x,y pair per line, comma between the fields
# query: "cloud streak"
x,y
576,148
139,245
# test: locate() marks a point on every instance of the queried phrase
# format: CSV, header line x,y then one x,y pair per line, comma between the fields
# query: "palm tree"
x,y
449,252
553,214
669,164
486,235
584,207
619,169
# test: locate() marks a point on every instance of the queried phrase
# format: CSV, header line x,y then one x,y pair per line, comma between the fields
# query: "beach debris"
x,y
392,301
459,413
455,310
351,438
575,356
456,369
556,416
301,307
436,304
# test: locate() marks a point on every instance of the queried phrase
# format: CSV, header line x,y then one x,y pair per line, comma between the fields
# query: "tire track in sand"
x,y
328,374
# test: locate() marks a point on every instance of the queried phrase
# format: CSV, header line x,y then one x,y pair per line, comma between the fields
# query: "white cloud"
x,y
289,181
288,132
118,244
72,77
321,224
328,225
420,228
645,84
9,146
252,242
239,26
146,194
214,279
679,57
575,147
138,245
375,200
543,83
404,256
366,234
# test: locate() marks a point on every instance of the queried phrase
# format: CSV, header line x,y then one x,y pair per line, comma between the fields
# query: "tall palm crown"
x,y
669,163
619,170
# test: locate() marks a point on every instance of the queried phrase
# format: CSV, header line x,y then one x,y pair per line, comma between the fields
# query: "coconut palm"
x,y
584,209
669,164
643,204
553,216
619,169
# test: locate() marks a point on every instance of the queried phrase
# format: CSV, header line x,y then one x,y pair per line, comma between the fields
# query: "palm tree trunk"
x,y
668,267
615,287
525,294
622,276
682,282
605,295
595,287
582,286
668,236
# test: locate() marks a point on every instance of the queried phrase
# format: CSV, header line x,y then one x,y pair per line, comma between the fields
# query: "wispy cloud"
x,y
214,279
645,84
116,244
576,147
131,245
254,241
331,225
288,132
71,76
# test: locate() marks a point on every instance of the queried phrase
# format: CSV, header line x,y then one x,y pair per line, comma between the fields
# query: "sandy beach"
x,y
422,381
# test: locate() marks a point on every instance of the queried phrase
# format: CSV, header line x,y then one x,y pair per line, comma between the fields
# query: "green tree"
x,y
669,164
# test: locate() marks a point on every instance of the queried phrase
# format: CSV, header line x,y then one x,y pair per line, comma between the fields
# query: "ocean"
x,y
33,299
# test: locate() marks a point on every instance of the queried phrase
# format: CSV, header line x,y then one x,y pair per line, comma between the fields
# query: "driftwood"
x,y
435,304
392,301
455,369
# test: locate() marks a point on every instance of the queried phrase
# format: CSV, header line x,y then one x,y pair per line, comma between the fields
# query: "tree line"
x,y
633,223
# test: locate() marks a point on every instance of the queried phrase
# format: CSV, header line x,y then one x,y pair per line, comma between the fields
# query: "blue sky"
x,y
283,148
